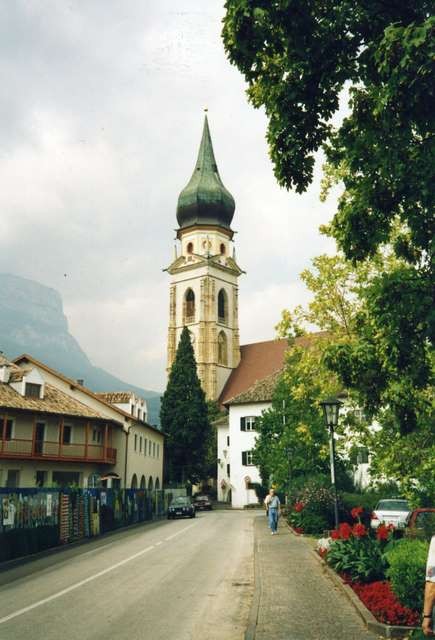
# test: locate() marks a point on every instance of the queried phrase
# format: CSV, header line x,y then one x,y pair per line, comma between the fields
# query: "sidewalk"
x,y
294,599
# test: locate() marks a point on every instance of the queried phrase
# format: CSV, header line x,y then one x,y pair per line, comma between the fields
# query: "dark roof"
x,y
53,402
25,357
261,391
205,200
258,361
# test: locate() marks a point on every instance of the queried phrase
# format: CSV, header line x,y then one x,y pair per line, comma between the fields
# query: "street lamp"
x,y
331,408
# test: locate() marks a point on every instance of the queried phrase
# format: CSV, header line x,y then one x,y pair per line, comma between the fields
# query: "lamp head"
x,y
331,408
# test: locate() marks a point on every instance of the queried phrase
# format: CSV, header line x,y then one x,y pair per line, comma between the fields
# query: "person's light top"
x,y
430,567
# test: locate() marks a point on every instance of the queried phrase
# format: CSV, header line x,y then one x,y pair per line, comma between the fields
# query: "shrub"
x,y
313,523
407,568
318,500
359,557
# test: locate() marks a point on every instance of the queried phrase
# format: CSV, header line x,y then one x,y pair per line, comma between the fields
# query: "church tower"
x,y
204,289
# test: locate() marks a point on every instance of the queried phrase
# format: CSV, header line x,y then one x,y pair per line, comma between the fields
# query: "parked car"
x,y
391,511
202,503
181,507
421,523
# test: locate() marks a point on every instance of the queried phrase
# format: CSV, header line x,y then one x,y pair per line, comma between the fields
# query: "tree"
x,y
184,417
341,298
292,439
297,57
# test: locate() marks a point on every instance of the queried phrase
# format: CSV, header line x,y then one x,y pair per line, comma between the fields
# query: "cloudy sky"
x,y
100,126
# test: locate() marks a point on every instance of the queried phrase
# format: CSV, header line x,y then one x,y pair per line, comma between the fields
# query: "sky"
x,y
100,128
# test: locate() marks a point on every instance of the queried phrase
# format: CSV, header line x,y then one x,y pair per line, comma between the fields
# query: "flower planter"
x,y
383,629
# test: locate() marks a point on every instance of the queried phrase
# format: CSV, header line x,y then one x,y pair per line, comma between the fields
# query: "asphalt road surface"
x,y
170,580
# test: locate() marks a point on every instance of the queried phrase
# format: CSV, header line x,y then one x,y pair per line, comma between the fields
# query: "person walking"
x,y
273,509
429,593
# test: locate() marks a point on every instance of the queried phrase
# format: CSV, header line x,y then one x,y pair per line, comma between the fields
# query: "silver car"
x,y
390,511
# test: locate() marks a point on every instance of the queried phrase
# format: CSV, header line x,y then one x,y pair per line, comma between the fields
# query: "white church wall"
x,y
241,441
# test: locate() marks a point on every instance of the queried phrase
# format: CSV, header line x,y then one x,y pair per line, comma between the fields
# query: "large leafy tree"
x,y
297,56
340,293
292,441
184,418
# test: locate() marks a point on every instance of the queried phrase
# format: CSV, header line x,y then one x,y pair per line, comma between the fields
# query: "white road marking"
x,y
54,596
178,533
157,543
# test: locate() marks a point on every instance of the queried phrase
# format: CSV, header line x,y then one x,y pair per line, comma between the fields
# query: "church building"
x,y
204,284
204,297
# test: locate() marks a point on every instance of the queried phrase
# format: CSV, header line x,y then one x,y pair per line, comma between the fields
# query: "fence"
x,y
32,520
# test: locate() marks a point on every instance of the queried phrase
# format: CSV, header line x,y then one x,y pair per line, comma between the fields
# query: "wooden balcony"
x,y
17,448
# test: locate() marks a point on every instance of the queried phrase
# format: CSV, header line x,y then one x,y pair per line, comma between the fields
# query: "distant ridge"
x,y
32,321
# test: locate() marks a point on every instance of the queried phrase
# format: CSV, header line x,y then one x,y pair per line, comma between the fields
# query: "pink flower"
x,y
299,506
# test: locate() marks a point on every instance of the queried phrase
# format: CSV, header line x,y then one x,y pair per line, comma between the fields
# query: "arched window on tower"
x,y
190,248
222,307
222,349
222,249
189,306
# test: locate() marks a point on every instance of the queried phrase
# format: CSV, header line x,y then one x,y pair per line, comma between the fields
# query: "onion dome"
x,y
205,200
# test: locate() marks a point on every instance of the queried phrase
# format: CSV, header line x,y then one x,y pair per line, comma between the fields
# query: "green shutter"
x,y
244,461
242,424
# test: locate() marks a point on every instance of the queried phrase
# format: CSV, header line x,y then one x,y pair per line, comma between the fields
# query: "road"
x,y
179,580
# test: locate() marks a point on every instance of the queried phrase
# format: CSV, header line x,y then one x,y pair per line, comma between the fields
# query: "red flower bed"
x,y
298,530
381,601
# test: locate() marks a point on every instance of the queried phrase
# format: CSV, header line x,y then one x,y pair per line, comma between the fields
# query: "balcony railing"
x,y
46,450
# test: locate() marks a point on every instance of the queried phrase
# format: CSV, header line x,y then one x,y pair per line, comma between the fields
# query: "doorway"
x,y
39,438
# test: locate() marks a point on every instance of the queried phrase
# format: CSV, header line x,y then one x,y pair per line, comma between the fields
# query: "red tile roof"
x,y
258,361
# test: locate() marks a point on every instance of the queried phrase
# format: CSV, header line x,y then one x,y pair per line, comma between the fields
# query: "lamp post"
x,y
331,408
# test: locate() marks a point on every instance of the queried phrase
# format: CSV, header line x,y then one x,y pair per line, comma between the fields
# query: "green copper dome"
x,y
205,200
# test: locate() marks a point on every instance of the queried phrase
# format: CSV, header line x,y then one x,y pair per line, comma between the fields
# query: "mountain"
x,y
32,321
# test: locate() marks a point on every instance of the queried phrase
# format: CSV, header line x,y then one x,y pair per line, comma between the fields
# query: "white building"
x,y
247,394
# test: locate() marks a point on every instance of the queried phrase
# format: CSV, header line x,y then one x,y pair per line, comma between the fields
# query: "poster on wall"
x,y
103,497
49,504
8,513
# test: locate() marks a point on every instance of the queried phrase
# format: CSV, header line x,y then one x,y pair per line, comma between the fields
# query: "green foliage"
x,y
406,572
184,418
297,57
360,558
260,491
312,504
368,499
292,439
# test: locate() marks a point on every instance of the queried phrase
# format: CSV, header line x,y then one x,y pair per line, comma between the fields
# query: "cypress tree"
x,y
184,418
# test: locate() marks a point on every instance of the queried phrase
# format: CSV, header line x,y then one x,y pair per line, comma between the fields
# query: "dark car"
x,y
421,523
203,503
181,507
